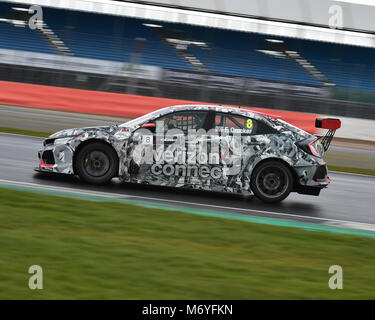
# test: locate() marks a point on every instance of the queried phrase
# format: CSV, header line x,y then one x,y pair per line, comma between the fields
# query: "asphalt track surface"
x,y
52,121
349,200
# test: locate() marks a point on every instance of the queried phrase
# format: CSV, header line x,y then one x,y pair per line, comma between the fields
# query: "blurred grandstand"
x,y
130,54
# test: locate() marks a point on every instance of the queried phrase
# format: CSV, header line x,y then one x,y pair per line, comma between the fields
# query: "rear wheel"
x,y
96,163
272,181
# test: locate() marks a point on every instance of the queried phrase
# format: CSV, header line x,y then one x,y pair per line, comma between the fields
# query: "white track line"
x,y
326,221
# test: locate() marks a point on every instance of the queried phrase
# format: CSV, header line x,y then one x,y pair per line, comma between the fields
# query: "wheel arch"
x,y
92,140
286,163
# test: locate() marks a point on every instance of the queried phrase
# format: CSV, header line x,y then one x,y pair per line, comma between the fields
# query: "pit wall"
x,y
106,103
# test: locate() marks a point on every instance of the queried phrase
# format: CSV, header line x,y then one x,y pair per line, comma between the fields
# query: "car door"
x,y
241,143
166,149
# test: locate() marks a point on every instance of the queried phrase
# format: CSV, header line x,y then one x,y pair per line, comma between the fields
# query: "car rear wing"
x,y
332,125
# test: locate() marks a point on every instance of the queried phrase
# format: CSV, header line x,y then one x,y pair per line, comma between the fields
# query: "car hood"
x,y
78,131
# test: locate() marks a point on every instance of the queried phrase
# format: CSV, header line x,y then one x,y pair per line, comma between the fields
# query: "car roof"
x,y
244,111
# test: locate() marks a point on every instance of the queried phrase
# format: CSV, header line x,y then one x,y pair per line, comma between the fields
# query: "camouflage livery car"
x,y
217,148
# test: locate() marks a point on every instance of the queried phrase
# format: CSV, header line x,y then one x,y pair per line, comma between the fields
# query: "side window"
x,y
235,124
247,126
184,120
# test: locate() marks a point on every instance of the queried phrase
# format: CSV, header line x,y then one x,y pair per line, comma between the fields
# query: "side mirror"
x,y
149,125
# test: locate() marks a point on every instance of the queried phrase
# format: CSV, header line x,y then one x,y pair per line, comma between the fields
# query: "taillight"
x,y
313,149
311,146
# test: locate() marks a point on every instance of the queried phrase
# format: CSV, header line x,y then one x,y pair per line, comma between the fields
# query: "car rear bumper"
x,y
312,191
312,179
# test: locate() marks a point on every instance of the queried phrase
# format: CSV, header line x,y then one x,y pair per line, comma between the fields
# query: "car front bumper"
x,y
55,159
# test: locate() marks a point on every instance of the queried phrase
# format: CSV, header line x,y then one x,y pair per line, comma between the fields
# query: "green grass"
x,y
25,132
369,172
116,251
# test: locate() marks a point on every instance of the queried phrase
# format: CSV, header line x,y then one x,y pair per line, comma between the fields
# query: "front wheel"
x,y
272,181
96,163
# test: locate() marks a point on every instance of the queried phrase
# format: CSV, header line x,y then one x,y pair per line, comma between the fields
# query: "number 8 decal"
x,y
249,123
147,139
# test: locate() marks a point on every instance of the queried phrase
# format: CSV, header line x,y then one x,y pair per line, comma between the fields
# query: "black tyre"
x,y
272,181
96,163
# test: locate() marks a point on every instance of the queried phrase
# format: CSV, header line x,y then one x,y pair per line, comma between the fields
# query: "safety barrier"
x,y
106,103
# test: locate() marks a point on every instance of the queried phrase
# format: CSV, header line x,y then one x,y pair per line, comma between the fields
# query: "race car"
x,y
216,148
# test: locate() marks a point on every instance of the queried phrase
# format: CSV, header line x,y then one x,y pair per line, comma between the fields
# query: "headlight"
x,y
63,140
49,141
